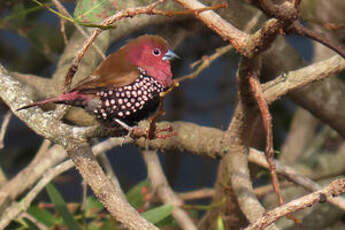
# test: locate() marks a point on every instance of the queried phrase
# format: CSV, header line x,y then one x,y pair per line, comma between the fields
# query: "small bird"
x,y
124,89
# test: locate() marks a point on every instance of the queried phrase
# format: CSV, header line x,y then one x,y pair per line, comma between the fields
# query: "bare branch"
x,y
295,79
334,189
267,121
165,193
4,126
258,158
227,31
197,194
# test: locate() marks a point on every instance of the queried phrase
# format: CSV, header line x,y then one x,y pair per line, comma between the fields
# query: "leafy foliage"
x,y
93,216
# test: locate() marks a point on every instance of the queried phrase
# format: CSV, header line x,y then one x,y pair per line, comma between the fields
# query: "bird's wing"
x,y
114,71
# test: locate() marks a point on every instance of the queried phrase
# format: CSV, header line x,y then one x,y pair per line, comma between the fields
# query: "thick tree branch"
x,y
226,30
295,79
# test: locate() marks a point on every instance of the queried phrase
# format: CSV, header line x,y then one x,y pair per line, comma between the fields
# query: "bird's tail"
x,y
66,98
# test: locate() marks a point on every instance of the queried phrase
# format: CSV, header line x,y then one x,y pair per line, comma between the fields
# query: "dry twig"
x,y
267,122
258,158
333,189
63,10
197,194
4,126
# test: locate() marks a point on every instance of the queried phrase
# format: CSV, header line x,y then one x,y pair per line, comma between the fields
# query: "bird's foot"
x,y
168,133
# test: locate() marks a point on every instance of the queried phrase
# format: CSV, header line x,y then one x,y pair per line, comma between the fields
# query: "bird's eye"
x,y
156,52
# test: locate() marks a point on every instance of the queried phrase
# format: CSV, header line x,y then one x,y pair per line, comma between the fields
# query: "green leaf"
x,y
93,11
220,223
43,216
61,206
109,224
135,194
157,214
92,207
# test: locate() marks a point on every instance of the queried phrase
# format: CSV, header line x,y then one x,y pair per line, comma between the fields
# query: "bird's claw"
x,y
157,132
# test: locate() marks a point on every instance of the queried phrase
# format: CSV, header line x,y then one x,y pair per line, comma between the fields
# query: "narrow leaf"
x,y
61,206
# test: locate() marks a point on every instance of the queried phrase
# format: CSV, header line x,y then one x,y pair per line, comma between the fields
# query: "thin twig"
x,y
299,29
160,112
63,10
4,126
333,189
258,158
63,31
206,62
197,194
267,122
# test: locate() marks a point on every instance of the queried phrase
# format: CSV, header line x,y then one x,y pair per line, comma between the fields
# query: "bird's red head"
x,y
151,53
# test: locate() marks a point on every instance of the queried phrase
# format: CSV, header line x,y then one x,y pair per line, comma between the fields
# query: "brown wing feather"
x,y
114,71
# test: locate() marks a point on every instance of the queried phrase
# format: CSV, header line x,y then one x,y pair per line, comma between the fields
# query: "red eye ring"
x,y
156,52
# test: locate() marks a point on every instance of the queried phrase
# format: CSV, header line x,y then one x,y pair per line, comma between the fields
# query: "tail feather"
x,y
64,99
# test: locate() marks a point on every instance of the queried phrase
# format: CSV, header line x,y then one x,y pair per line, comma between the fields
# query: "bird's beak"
x,y
170,55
